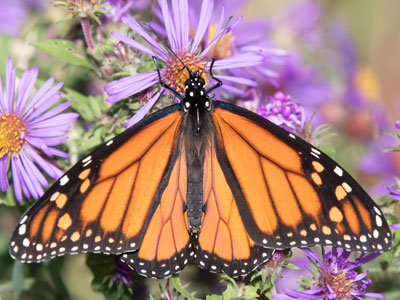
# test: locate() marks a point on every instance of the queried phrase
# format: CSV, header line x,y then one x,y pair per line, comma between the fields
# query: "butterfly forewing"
x,y
166,247
289,194
105,202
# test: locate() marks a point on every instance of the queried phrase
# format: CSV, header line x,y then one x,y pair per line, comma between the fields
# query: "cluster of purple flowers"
x,y
334,277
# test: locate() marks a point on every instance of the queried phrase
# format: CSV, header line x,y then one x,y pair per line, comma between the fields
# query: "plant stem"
x,y
87,32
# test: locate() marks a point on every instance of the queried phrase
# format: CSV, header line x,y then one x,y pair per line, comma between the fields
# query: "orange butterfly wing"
x,y
288,193
224,243
166,246
108,200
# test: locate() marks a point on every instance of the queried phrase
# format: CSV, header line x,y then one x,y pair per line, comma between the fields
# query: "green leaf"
x,y
88,107
7,199
181,289
8,286
65,50
392,149
250,293
17,278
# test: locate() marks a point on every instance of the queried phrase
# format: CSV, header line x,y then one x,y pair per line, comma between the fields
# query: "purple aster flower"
x,y
12,16
123,272
283,112
334,277
397,124
30,127
122,7
185,46
394,192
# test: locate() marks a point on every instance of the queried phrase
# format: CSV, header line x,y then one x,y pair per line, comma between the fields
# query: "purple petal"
x,y
49,141
184,15
39,94
10,85
51,113
135,26
3,108
34,175
169,26
27,179
50,169
177,22
375,295
217,35
16,179
239,61
57,121
59,153
4,185
134,44
313,256
128,86
395,226
204,20
144,110
232,89
306,294
25,87
44,103
239,80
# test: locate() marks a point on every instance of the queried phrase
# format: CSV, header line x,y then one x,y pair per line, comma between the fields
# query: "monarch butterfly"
x,y
202,180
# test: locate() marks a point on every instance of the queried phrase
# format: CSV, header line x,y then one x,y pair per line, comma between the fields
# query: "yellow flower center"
x,y
224,46
12,132
368,84
175,74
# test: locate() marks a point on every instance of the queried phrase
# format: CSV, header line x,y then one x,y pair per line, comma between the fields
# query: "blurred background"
x,y
344,68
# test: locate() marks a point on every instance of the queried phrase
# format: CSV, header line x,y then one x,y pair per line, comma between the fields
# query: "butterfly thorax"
x,y
196,107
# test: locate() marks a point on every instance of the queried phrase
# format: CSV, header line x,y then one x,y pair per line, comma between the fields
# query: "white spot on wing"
x,y
292,136
346,187
22,229
377,210
26,242
316,155
378,221
23,219
87,158
64,180
338,171
315,151
109,142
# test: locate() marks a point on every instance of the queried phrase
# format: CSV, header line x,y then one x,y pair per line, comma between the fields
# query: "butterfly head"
x,y
196,98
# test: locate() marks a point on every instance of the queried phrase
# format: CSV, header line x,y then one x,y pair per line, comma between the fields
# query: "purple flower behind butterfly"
x,y
186,46
120,8
283,112
334,277
29,128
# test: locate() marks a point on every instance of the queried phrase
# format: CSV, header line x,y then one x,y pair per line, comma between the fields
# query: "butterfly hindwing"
x,y
289,193
106,201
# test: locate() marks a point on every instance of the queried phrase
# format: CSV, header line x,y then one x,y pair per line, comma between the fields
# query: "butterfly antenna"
x,y
211,53
167,47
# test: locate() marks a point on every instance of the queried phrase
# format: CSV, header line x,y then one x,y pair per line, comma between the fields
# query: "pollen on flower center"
x,y
176,75
340,284
12,132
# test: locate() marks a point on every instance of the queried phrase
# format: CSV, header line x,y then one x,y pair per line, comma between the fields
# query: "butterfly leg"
x,y
165,85
219,82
